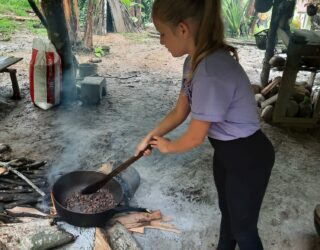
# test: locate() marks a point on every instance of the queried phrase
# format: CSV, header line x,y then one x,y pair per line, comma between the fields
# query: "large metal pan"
x,y
75,181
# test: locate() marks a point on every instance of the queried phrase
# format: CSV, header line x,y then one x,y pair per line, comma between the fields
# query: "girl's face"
x,y
175,40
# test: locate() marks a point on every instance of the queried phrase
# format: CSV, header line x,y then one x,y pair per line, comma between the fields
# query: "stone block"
x,y
92,89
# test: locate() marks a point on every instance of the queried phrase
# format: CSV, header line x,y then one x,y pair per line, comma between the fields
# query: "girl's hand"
x,y
142,146
160,143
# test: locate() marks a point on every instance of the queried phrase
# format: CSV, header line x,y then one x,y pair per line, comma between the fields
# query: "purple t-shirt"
x,y
219,92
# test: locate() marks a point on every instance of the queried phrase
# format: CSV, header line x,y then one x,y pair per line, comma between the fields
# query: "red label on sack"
x,y
31,72
50,77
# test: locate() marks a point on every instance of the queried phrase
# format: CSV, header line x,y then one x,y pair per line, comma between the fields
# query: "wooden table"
x,y
5,63
300,44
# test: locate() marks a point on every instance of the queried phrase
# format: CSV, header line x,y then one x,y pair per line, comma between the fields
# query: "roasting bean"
x,y
90,204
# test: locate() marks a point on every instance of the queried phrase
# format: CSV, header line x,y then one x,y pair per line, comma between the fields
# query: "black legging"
x,y
241,168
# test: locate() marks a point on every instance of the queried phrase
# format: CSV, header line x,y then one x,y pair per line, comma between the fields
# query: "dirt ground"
x,y
143,81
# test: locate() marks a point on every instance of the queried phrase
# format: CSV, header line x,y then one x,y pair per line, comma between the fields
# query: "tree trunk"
x,y
135,11
250,10
58,35
72,18
121,18
105,16
99,26
75,23
88,43
131,10
138,12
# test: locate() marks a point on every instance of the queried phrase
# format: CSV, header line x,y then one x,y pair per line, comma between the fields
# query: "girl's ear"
x,y
184,29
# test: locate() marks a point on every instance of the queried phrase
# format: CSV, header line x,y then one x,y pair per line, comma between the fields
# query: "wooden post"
x,y
58,35
271,44
15,85
282,11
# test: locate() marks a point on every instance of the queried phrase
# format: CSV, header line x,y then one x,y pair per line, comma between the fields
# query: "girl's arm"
x,y
193,137
172,120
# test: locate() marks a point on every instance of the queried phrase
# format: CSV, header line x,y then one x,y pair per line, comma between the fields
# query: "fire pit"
x,y
65,188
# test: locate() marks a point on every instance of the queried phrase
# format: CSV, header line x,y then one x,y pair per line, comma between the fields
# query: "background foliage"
x,y
17,8
234,12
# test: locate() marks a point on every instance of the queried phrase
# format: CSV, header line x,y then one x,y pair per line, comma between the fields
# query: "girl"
x,y
216,91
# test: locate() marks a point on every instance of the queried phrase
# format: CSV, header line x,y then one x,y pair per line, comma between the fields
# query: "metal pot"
x,y
75,181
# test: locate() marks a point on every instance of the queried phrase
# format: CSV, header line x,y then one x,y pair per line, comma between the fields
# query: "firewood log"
x,y
256,88
267,113
101,242
34,165
139,230
27,212
269,101
120,238
5,197
137,217
30,201
17,191
272,87
158,224
3,171
8,219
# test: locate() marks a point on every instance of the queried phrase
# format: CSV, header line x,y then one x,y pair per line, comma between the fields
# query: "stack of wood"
x,y
22,226
21,180
299,105
137,222
118,235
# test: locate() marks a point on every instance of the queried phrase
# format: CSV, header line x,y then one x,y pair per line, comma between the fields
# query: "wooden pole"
x,y
271,44
282,11
58,35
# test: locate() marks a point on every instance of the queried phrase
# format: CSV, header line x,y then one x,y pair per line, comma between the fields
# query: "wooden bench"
x,y
5,63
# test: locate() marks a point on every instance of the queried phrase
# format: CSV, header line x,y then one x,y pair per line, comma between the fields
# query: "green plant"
x,y
234,13
146,13
127,3
99,52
